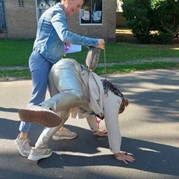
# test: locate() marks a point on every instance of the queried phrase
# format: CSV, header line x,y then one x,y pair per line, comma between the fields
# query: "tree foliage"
x,y
145,17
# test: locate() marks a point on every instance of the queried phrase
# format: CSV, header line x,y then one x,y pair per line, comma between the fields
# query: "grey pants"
x,y
65,86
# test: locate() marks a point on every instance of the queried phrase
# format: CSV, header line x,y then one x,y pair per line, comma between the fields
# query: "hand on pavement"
x,y
124,157
100,133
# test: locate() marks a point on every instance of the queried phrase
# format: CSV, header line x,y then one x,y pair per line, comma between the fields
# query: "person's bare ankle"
x,y
23,135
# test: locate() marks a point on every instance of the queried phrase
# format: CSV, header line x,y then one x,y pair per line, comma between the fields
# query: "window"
x,y
21,3
119,6
91,12
2,16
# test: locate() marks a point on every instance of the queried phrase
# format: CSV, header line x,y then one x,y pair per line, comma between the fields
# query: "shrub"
x,y
144,16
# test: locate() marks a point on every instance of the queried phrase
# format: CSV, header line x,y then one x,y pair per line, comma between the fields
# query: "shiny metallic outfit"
x,y
72,86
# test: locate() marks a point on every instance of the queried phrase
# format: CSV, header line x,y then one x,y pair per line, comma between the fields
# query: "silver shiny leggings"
x,y
47,133
65,86
65,77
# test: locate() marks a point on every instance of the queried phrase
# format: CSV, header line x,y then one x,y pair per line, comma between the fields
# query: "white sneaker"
x,y
64,134
37,154
23,146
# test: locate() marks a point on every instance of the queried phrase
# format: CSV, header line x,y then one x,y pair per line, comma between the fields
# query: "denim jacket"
x,y
52,33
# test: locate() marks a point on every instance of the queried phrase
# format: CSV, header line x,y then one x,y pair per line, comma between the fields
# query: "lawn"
x,y
16,53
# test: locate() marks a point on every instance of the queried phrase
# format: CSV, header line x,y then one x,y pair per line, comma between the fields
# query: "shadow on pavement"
x,y
8,129
9,109
150,157
156,92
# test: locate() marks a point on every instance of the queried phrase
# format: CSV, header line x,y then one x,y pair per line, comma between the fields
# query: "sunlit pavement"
x,y
149,126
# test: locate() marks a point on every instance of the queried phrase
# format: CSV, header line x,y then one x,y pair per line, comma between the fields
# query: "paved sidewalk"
x,y
149,126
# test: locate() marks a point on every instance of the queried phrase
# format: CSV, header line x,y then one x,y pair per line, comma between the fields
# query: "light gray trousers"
x,y
65,86
67,90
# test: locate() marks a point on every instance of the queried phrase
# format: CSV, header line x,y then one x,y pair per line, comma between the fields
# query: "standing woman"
x,y
52,34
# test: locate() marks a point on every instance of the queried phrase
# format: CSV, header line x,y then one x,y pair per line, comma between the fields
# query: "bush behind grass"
x,y
145,16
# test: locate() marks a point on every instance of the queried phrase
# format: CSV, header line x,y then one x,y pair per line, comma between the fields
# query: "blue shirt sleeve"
x,y
60,25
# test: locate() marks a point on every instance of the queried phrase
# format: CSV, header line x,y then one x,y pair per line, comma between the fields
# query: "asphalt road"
x,y
149,126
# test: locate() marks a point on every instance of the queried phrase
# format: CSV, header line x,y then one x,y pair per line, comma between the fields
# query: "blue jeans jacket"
x,y
53,32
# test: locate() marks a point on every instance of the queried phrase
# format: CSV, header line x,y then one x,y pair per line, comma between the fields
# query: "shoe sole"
x,y
36,158
62,138
43,116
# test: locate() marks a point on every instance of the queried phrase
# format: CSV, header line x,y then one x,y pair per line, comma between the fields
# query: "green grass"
x,y
124,52
16,53
25,74
135,67
121,52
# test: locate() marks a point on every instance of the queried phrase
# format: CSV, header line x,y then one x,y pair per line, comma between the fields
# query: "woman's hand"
x,y
124,157
100,133
101,44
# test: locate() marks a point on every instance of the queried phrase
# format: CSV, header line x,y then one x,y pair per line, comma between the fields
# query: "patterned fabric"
x,y
109,86
92,58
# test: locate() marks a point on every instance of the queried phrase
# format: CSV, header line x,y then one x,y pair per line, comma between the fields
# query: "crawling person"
x,y
77,90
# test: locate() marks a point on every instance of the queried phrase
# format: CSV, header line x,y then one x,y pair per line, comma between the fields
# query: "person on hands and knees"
x,y
77,91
